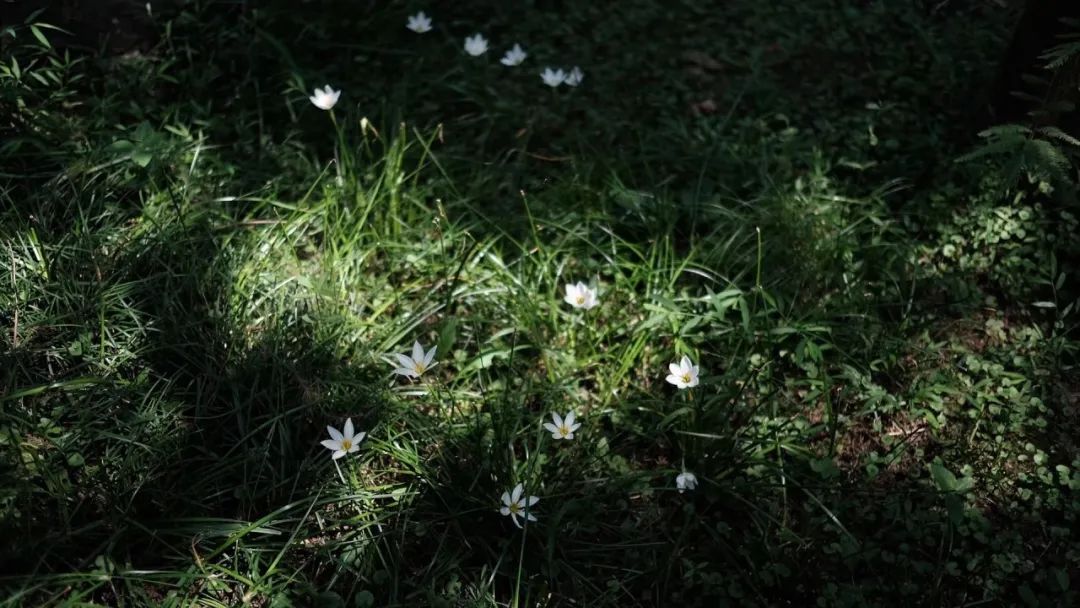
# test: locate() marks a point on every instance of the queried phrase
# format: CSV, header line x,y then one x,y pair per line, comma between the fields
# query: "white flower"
x,y
516,505
343,443
324,99
476,45
575,77
564,427
684,374
419,23
418,363
553,78
685,481
514,56
581,296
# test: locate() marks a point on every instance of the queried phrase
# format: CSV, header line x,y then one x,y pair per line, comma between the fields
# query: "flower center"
x,y
515,508
581,299
419,367
564,429
686,378
346,445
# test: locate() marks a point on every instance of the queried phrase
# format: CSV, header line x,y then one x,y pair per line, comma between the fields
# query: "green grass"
x,y
201,276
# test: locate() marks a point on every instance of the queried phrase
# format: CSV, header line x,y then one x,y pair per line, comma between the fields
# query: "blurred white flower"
x,y
476,45
564,427
343,443
684,374
516,505
579,295
419,23
575,77
514,56
418,363
553,78
324,99
685,481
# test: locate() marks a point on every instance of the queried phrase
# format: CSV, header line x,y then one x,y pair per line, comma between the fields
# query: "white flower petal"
x,y
533,500
575,77
338,454
569,420
334,433
551,428
516,494
506,499
417,352
504,510
350,431
331,444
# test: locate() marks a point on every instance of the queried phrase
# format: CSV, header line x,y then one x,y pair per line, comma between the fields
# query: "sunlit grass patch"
x,y
511,312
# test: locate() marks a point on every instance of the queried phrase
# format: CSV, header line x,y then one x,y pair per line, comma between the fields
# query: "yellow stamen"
x,y
686,378
581,299
346,445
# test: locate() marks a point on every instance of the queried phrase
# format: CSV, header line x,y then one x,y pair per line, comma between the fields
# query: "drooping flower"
x,y
514,56
685,481
343,442
553,78
575,77
580,295
324,99
563,428
516,505
684,374
476,45
419,23
418,363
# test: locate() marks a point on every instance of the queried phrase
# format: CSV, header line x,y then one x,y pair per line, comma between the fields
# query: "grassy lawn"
x,y
201,271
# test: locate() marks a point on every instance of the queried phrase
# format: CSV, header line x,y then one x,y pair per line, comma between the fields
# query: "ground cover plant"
x,y
350,304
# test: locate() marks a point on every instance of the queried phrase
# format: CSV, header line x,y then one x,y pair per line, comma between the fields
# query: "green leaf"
x,y
141,157
363,599
1062,579
825,467
329,599
447,336
945,480
76,460
120,147
955,507
40,37
1028,596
